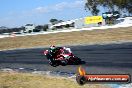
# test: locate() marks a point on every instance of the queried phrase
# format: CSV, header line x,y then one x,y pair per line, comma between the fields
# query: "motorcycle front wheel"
x,y
53,63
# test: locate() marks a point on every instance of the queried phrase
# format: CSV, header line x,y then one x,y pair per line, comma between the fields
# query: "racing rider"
x,y
57,50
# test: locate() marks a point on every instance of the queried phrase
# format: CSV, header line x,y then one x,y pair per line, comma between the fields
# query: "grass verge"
x,y
70,38
26,80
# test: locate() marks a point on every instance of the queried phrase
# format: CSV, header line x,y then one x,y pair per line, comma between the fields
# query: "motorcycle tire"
x,y
64,62
77,60
53,64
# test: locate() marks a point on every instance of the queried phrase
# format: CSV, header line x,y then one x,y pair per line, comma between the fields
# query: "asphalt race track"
x,y
110,58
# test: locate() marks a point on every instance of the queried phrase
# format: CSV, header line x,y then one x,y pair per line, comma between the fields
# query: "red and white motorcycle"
x,y
62,57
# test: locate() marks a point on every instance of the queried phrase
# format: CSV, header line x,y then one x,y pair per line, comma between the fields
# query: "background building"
x,y
80,23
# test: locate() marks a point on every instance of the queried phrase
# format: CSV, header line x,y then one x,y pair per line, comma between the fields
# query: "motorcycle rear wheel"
x,y
64,62
76,60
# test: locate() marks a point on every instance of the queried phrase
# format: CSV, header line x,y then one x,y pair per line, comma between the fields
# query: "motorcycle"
x,y
62,57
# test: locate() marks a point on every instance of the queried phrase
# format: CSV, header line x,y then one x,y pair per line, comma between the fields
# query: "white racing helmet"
x,y
52,47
